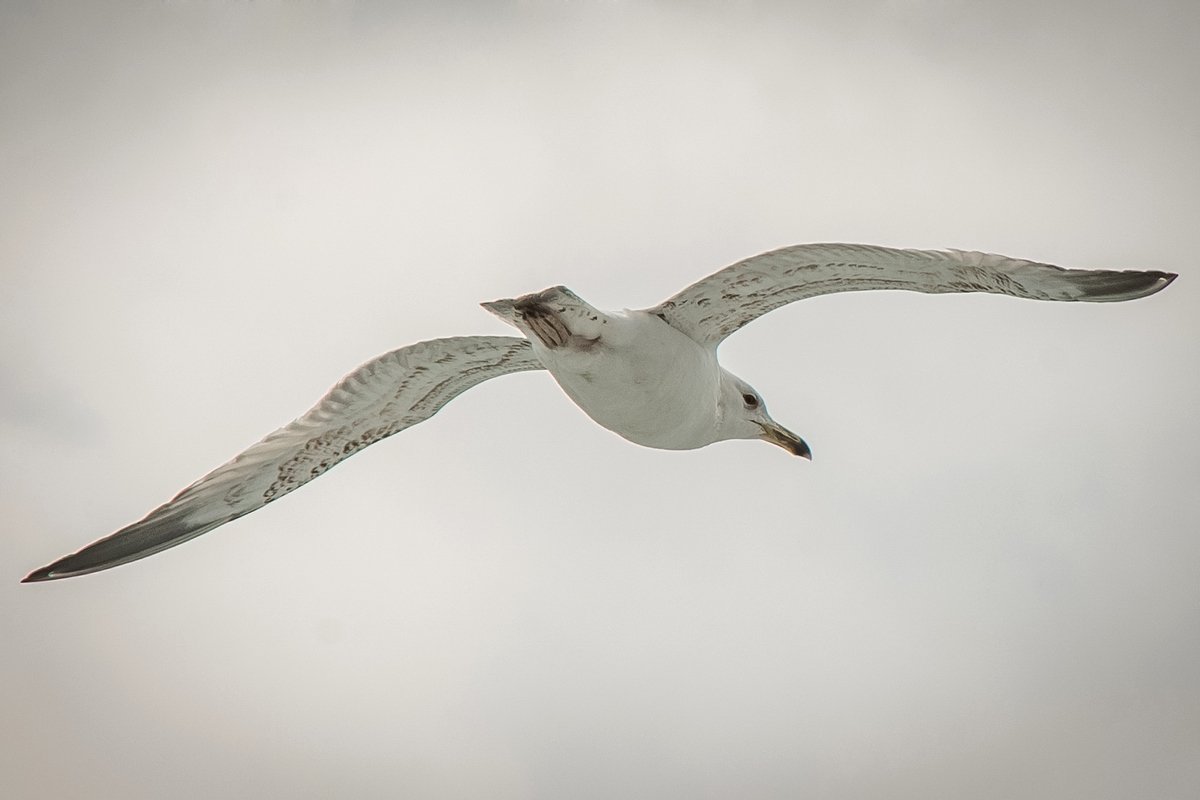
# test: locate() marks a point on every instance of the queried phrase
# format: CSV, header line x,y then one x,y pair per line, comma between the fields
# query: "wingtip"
x,y
39,575
1110,286
62,568
1159,281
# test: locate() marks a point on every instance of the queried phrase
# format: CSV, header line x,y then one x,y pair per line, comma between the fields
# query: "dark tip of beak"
x,y
786,439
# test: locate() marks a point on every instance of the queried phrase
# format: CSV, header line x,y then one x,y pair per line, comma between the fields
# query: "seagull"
x,y
651,376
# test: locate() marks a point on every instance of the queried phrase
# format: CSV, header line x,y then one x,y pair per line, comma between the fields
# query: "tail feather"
x,y
505,309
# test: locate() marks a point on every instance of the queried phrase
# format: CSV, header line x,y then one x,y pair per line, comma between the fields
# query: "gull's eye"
x,y
750,400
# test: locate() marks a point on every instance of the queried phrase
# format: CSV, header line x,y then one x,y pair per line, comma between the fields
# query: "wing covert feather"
x,y
383,396
714,307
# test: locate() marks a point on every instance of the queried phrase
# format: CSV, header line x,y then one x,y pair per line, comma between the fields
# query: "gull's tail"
x,y
556,317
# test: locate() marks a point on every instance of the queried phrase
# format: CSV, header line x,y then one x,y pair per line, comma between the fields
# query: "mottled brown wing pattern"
x,y
382,397
713,308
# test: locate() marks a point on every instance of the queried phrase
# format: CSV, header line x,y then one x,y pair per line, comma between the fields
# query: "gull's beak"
x,y
777,434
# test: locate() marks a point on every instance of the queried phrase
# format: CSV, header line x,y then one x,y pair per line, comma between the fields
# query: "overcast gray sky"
x,y
986,585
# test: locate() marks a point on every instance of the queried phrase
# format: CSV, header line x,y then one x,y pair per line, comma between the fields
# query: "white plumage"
x,y
651,376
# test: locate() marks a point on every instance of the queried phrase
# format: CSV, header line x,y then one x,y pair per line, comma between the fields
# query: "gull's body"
x,y
651,376
629,371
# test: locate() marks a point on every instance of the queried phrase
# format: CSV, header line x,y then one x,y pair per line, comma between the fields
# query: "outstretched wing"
x,y
712,308
382,397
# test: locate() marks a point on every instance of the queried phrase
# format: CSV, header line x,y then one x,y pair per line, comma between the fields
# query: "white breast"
x,y
643,380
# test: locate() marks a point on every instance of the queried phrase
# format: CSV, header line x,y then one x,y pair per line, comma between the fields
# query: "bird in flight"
x,y
651,376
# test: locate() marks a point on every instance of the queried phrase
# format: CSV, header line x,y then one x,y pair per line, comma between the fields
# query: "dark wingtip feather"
x,y
160,530
66,567
1128,285
1157,281
44,574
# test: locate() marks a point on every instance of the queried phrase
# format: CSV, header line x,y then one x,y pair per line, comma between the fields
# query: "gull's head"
x,y
743,415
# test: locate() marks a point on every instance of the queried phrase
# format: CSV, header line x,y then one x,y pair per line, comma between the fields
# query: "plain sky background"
x,y
986,585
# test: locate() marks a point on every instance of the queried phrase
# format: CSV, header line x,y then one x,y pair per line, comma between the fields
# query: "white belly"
x,y
643,380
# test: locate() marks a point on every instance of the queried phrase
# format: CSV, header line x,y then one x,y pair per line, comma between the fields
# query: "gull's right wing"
x,y
382,397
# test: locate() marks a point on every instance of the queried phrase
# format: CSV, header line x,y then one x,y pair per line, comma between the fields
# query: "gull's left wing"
x,y
714,307
384,396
